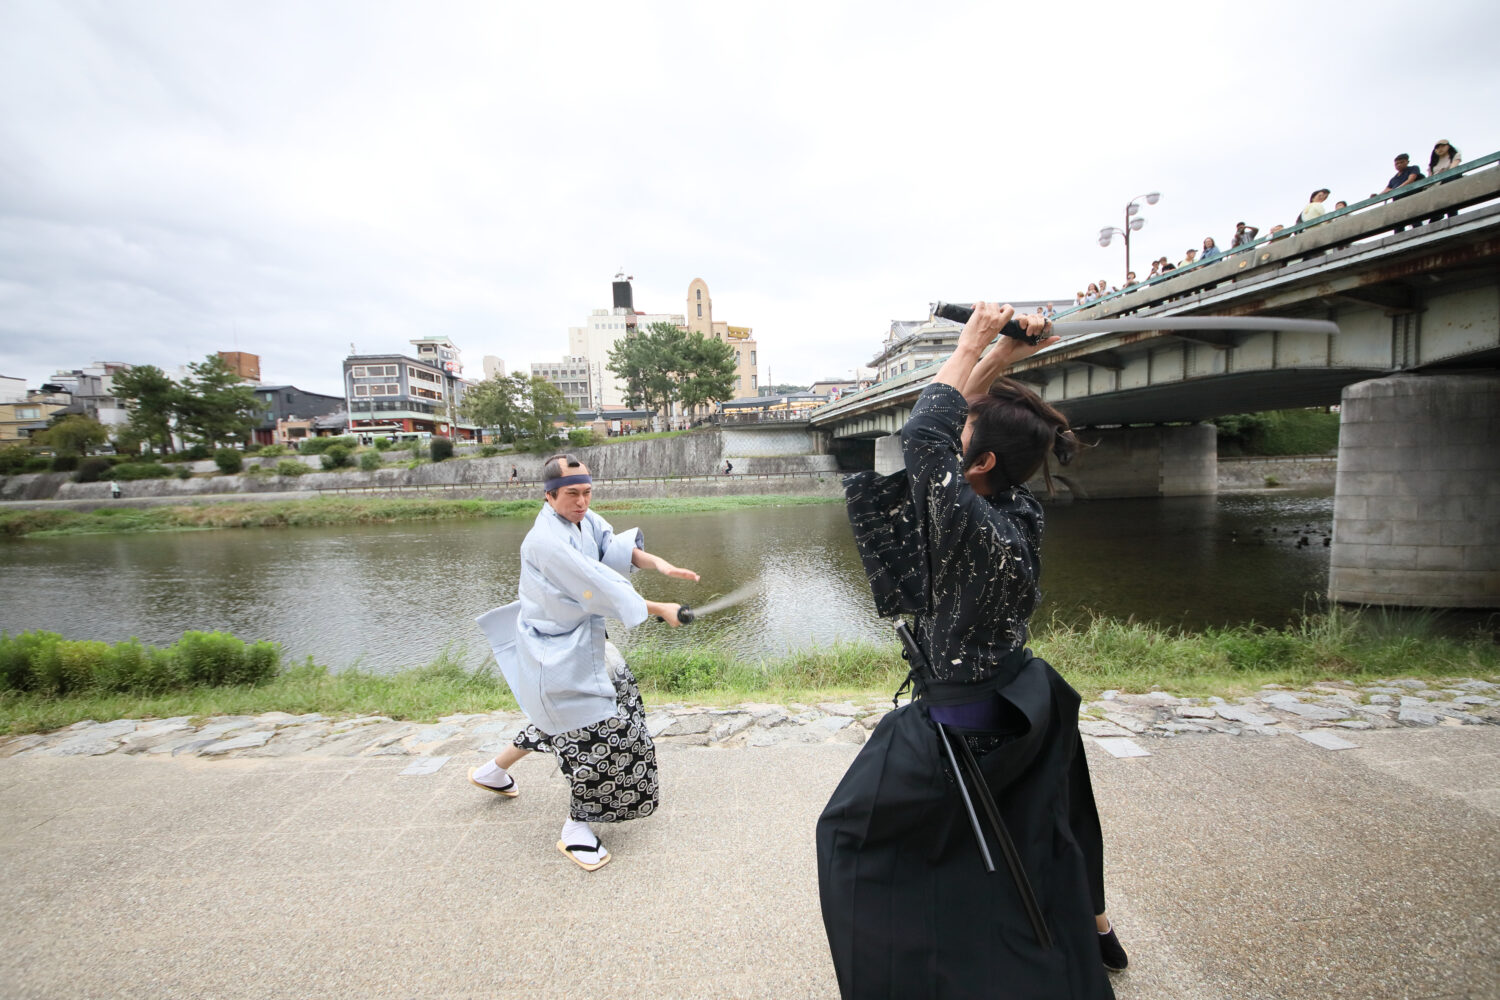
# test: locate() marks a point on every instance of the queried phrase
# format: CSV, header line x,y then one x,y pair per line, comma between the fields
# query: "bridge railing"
x,y
1464,186
1382,213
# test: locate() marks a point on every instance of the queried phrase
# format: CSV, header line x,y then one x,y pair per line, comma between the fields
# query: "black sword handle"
x,y
961,314
685,616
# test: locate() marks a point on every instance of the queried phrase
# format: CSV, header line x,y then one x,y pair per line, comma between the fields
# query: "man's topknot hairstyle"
x,y
1021,429
560,465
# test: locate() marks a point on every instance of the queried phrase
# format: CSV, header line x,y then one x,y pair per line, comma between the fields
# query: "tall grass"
x,y
73,680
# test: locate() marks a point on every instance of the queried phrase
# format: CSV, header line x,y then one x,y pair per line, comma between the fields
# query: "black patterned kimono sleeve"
x,y
930,444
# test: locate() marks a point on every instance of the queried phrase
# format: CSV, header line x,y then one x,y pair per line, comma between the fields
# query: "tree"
x,y
214,405
517,405
151,398
492,403
667,364
73,435
542,405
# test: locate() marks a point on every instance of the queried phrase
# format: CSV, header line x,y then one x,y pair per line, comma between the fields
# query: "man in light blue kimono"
x,y
579,696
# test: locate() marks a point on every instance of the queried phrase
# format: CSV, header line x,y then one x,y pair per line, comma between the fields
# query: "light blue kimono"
x,y
550,643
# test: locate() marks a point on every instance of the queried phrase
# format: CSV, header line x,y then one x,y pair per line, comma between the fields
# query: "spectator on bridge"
x,y
1405,174
1276,230
1340,205
1210,248
1190,258
1078,299
1315,207
1243,234
1051,311
1444,157
1130,278
1093,294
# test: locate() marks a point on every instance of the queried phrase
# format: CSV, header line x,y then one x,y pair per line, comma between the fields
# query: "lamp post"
x,y
1132,222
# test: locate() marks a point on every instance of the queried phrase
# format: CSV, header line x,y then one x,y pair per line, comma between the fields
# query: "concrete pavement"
x,y
1238,867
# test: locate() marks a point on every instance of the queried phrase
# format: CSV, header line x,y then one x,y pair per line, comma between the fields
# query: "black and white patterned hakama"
x,y
610,765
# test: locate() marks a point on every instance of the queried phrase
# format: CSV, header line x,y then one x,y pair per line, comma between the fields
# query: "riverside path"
x,y
1245,867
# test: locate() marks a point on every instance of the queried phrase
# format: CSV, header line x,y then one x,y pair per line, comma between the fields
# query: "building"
x,y
833,388
910,344
246,366
402,395
493,366
603,329
92,392
572,375
12,390
700,319
786,406
19,419
288,406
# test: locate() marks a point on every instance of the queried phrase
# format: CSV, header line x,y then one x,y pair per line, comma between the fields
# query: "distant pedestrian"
x,y
1243,234
1210,248
114,489
513,474
1405,174
728,466
1315,207
1444,157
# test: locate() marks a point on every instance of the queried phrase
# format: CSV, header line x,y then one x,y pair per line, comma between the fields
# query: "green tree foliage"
x,y
152,399
215,406
73,435
369,461
667,364
91,470
319,445
441,448
518,406
1278,432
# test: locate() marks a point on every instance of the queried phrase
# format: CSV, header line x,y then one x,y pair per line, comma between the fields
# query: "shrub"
x,y
290,467
37,463
319,445
272,451
196,453
252,448
256,471
91,470
64,463
582,437
13,459
183,472
442,448
383,444
47,663
229,461
369,461
336,457
488,451
145,470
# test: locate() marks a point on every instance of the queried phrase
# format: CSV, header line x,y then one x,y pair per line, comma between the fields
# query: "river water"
x,y
385,597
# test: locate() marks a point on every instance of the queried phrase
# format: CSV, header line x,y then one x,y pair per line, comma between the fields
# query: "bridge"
x,y
1412,281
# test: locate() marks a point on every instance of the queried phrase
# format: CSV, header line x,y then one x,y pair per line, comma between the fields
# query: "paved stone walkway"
x,y
1246,867
1274,711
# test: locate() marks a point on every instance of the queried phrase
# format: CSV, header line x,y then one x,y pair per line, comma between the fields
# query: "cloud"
x,y
178,178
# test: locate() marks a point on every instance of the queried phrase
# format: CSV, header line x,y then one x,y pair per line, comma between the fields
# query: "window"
x,y
752,359
700,310
288,397
700,299
358,371
752,381
736,383
28,412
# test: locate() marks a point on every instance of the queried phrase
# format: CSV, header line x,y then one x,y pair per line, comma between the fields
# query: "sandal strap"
x,y
596,847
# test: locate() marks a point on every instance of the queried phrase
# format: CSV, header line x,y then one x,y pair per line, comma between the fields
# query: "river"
x,y
385,597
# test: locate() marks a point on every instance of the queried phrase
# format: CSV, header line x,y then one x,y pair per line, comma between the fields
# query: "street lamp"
x,y
1132,222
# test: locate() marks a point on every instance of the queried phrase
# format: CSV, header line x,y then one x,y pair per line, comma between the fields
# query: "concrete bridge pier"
x,y
1416,515
1172,461
888,458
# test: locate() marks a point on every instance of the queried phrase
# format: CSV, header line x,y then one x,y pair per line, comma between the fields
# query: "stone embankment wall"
x,y
1295,470
696,454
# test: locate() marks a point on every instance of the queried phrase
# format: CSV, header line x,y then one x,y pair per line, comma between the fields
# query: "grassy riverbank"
x,y
335,511
1102,654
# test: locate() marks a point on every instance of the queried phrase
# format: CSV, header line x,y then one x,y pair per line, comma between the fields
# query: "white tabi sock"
x,y
492,774
577,832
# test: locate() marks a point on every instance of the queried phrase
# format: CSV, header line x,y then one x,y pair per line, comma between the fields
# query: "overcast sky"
x,y
288,179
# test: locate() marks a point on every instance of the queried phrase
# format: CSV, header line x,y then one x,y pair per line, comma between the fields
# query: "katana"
x,y
1133,324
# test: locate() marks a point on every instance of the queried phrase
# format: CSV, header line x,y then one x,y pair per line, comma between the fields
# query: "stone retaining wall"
x,y
1291,470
